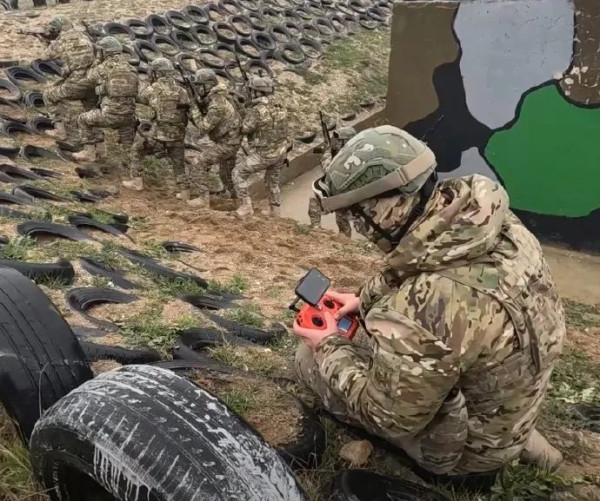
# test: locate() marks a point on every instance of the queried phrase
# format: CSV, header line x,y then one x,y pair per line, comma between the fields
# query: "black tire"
x,y
315,8
61,271
124,356
117,29
291,53
134,58
209,302
204,34
368,23
215,14
41,124
263,40
211,58
31,153
258,336
280,34
81,299
86,172
304,13
258,23
10,110
9,127
588,416
311,31
357,6
247,47
344,9
197,338
100,269
25,191
339,23
19,75
232,7
179,20
175,247
250,5
270,14
377,14
33,99
257,66
14,93
46,173
42,360
294,28
225,32
50,68
9,198
87,222
160,271
313,49
197,14
185,40
325,27
242,24
18,173
291,16
165,45
33,228
159,24
84,197
141,29
362,485
205,452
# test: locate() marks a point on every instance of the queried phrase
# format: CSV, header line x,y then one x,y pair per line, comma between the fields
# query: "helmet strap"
x,y
394,237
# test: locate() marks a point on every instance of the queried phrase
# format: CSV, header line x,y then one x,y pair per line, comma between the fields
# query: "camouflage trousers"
x,y
256,163
62,100
90,121
198,168
144,145
433,449
342,218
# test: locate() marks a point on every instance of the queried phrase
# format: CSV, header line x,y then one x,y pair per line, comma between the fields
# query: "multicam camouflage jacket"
x,y
73,48
265,124
465,325
169,102
116,82
218,118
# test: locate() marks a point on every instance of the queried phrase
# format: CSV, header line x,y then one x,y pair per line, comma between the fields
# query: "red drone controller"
x,y
312,290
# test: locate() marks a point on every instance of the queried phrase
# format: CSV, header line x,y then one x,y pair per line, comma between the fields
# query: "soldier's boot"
x,y
183,195
539,452
59,133
87,154
135,184
272,211
245,209
200,202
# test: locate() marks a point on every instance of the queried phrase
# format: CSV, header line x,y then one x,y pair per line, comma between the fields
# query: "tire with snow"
x,y
144,433
41,358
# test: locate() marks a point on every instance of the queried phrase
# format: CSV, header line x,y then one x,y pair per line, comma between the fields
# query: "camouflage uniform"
x,y
169,101
265,124
315,209
465,327
76,52
219,119
116,83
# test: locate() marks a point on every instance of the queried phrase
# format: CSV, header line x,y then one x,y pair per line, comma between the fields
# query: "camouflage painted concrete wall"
x,y
509,89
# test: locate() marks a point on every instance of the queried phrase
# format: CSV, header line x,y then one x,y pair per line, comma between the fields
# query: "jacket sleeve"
x,y
212,117
252,119
53,51
398,392
94,75
145,95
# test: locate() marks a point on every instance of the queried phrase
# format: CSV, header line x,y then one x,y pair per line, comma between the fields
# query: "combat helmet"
x,y
161,65
110,45
261,84
205,76
58,24
344,134
373,162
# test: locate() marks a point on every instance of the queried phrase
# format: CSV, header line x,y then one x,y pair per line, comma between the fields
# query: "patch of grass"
x,y
178,287
17,248
247,314
302,229
274,292
149,329
154,249
258,360
237,284
97,281
16,479
581,316
187,322
238,400
154,171
314,78
575,379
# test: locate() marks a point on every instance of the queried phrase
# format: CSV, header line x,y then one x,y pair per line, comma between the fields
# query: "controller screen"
x,y
344,324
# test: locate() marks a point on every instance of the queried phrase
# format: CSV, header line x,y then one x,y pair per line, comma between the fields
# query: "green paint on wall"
x,y
549,159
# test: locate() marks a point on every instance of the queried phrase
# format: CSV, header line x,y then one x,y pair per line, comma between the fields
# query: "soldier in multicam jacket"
x,y
170,103
464,320
265,124
76,52
217,117
342,218
116,83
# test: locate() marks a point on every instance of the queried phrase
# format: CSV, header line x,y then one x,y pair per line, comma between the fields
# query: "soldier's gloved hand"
x,y
312,337
350,302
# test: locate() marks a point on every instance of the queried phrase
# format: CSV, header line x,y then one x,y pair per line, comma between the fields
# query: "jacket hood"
x,y
462,221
